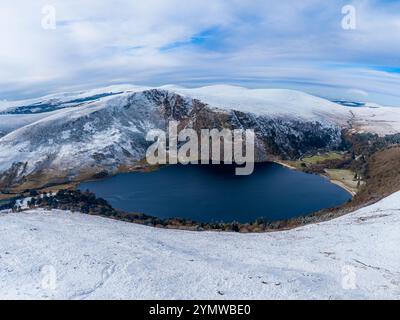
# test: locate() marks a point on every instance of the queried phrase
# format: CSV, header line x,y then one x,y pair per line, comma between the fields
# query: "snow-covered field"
x,y
74,256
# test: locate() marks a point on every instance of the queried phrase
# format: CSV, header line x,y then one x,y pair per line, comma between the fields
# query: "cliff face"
x,y
109,135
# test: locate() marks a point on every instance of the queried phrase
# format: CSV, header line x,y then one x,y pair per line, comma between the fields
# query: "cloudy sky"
x,y
255,43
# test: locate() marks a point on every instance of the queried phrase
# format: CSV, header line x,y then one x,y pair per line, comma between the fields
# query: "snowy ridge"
x,y
378,119
271,102
65,97
16,114
374,118
352,257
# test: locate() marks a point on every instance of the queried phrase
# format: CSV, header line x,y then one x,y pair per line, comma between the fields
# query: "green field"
x,y
319,158
342,177
322,157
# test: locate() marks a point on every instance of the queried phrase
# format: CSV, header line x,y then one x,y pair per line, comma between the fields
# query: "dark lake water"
x,y
214,193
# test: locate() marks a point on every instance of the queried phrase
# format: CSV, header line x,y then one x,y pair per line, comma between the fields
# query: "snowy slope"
x,y
377,119
374,118
11,122
68,98
17,114
355,256
271,102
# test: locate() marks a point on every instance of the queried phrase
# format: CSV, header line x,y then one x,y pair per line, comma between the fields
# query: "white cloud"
x,y
287,43
358,92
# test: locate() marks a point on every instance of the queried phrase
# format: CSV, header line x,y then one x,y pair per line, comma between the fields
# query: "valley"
x,y
103,134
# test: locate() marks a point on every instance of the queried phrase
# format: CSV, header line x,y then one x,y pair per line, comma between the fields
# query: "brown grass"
x,y
383,176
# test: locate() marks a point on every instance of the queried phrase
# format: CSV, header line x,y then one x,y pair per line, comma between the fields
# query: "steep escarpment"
x,y
288,138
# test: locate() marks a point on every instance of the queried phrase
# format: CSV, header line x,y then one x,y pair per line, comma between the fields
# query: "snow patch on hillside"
x,y
355,256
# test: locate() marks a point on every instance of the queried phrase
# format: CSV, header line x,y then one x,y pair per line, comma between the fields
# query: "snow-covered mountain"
x,y
16,114
104,130
270,102
62,255
62,100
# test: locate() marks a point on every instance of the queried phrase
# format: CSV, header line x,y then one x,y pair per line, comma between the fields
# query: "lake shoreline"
x,y
342,185
75,186
273,192
88,203
334,181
